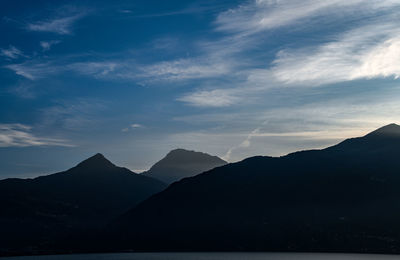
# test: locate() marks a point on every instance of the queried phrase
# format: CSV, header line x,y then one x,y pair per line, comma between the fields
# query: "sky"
x,y
136,79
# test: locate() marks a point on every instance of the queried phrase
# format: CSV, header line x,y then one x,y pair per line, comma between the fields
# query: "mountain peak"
x,y
390,130
97,161
179,151
180,163
183,156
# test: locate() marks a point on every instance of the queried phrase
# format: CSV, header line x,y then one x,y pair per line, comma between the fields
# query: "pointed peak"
x,y
97,161
387,131
98,156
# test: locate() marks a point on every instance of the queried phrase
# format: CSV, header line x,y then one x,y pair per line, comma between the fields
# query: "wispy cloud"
x,y
369,48
136,126
366,49
182,69
259,15
23,90
46,45
212,98
59,25
189,10
12,53
37,68
125,11
19,135
132,127
123,69
94,68
72,115
245,143
371,51
34,69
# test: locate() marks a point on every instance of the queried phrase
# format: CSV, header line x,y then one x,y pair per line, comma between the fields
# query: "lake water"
x,y
207,256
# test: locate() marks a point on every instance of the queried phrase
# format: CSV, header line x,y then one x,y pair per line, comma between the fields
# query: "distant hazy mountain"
x,y
345,198
180,163
36,213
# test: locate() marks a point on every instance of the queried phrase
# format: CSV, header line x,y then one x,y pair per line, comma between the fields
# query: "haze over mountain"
x,y
37,213
344,198
181,163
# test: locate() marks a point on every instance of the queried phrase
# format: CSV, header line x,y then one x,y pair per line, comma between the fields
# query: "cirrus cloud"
x,y
59,25
371,51
12,52
20,135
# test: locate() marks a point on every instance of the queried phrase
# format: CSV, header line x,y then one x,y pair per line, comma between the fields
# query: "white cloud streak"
x,y
37,69
34,70
182,69
132,127
124,69
212,98
246,143
46,45
372,51
19,135
259,15
95,69
12,53
136,125
61,25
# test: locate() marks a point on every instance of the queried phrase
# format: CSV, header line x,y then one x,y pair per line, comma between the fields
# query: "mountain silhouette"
x,y
181,163
95,163
391,130
38,213
344,198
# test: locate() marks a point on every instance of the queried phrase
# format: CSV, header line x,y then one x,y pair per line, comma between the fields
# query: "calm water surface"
x,y
207,256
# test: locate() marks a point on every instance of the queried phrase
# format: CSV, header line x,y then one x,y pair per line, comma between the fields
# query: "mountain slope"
x,y
341,199
180,163
36,213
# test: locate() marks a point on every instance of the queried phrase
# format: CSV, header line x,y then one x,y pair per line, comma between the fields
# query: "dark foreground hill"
x,y
38,215
180,163
345,198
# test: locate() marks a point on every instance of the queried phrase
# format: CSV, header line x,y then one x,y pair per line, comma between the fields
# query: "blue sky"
x,y
135,79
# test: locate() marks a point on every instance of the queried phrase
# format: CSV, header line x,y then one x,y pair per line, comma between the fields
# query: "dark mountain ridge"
x,y
38,213
340,199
